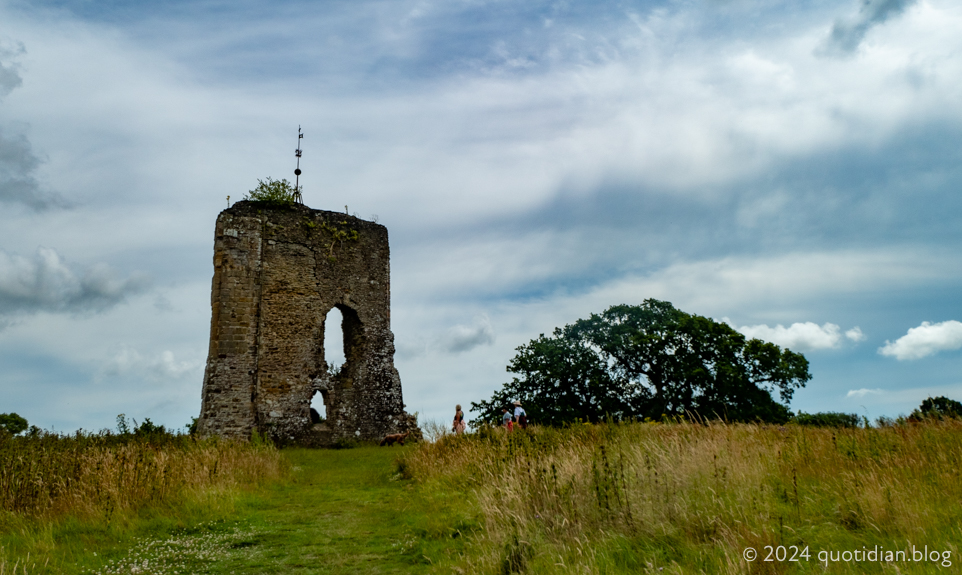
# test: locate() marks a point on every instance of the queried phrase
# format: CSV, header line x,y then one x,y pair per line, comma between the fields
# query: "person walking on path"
x,y
520,416
458,425
506,418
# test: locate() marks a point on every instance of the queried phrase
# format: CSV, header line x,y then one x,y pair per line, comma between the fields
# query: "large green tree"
x,y
649,360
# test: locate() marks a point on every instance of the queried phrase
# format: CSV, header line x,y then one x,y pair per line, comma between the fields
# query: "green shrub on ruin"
x,y
274,192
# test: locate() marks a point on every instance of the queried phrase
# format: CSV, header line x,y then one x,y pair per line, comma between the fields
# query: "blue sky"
x,y
793,169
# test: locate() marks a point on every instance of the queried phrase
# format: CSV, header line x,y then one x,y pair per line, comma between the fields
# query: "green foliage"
x,y
149,428
826,419
516,555
340,232
649,361
192,426
13,423
334,371
123,426
275,192
937,408
146,429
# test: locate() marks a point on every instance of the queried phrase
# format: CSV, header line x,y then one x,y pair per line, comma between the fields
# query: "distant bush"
x,y
937,408
146,429
826,419
886,421
13,423
276,192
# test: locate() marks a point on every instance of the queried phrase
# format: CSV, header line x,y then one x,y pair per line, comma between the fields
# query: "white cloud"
x,y
120,119
846,36
128,362
806,336
46,283
801,336
462,338
863,392
716,286
925,340
855,334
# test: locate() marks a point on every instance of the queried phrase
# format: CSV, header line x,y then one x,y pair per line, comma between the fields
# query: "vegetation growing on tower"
x,y
274,192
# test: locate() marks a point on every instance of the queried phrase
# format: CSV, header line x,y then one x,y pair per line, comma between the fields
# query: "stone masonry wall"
x,y
278,271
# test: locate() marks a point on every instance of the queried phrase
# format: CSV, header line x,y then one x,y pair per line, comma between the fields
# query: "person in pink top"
x,y
458,425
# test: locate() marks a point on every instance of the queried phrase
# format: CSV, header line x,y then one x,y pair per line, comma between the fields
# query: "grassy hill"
x,y
632,498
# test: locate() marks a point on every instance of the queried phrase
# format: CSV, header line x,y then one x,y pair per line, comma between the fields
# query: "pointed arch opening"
x,y
334,348
344,342
319,407
342,362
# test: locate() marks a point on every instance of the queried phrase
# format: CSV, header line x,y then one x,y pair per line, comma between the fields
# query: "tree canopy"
x,y
937,408
649,360
13,423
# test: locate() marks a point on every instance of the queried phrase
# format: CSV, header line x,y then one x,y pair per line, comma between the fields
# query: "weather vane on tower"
x,y
297,170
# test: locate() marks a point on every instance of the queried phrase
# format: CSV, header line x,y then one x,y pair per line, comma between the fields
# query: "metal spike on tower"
x,y
297,170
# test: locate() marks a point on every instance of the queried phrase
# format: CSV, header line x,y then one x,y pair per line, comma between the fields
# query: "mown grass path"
x,y
343,511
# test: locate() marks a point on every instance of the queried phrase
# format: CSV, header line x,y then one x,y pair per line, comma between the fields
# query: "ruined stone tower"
x,y
278,271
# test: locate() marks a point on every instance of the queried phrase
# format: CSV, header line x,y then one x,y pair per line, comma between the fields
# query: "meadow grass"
x,y
64,497
608,498
690,498
324,511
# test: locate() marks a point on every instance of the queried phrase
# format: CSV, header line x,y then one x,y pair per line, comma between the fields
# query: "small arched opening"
x,y
318,407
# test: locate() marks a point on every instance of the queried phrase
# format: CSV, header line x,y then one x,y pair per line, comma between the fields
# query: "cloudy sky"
x,y
794,169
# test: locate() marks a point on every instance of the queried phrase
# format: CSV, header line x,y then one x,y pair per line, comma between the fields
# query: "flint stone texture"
x,y
278,271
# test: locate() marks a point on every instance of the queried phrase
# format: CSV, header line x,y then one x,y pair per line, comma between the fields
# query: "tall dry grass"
x,y
690,498
433,430
97,475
